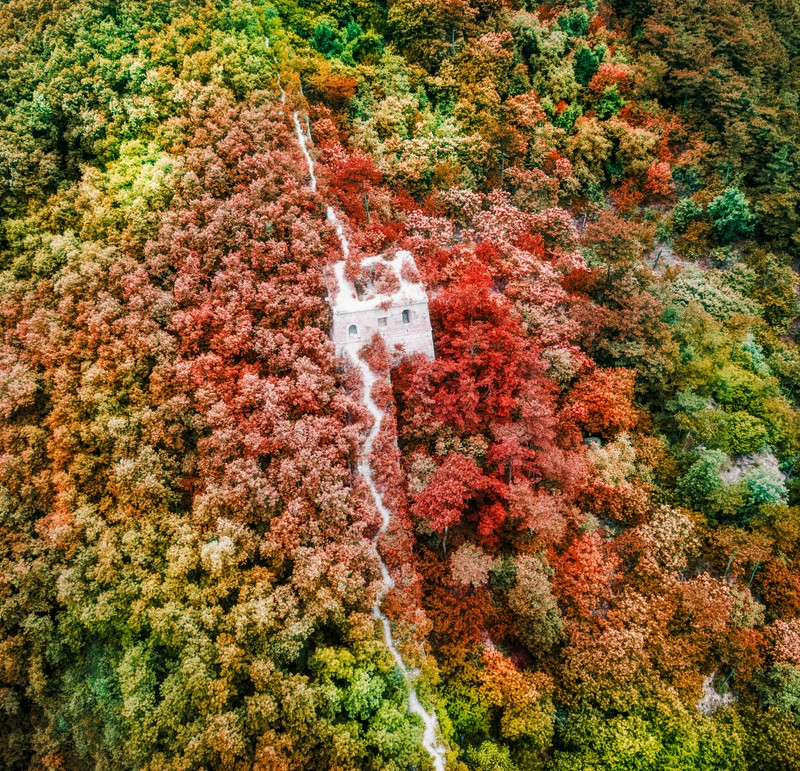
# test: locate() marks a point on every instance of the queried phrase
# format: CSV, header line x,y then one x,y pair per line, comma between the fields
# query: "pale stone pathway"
x,y
430,741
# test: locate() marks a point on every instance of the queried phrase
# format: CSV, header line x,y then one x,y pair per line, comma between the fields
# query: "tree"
x,y
483,359
702,480
731,215
447,495
424,29
583,574
585,64
616,242
602,402
650,740
537,618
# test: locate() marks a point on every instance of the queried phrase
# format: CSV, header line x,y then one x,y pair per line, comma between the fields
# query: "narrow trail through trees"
x,y
430,741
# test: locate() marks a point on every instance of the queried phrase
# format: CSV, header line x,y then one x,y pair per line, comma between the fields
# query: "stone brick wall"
x,y
414,336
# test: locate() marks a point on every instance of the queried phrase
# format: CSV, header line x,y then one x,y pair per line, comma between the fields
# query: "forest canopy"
x,y
595,543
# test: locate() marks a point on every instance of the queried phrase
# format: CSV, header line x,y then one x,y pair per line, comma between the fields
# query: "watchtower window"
x,y
352,332
406,317
382,321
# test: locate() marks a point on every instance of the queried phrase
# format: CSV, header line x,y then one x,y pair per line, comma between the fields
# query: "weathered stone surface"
x,y
399,316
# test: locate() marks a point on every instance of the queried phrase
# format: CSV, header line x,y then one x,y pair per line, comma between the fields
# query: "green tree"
x,y
702,480
610,103
731,215
684,213
328,38
585,63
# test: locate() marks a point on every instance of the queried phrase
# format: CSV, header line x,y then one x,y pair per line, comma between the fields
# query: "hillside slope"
x,y
595,518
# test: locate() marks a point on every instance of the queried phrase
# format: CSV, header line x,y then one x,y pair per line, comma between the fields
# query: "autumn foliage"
x,y
595,533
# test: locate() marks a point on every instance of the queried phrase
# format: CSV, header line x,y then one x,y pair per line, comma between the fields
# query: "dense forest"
x,y
595,484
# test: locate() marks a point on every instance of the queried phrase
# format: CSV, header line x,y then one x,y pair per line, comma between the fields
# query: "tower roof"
x,y
384,282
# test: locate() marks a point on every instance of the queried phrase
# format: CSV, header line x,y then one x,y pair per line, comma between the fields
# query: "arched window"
x,y
353,332
406,316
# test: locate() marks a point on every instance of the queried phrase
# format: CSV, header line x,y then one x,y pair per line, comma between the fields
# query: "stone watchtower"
x,y
388,298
